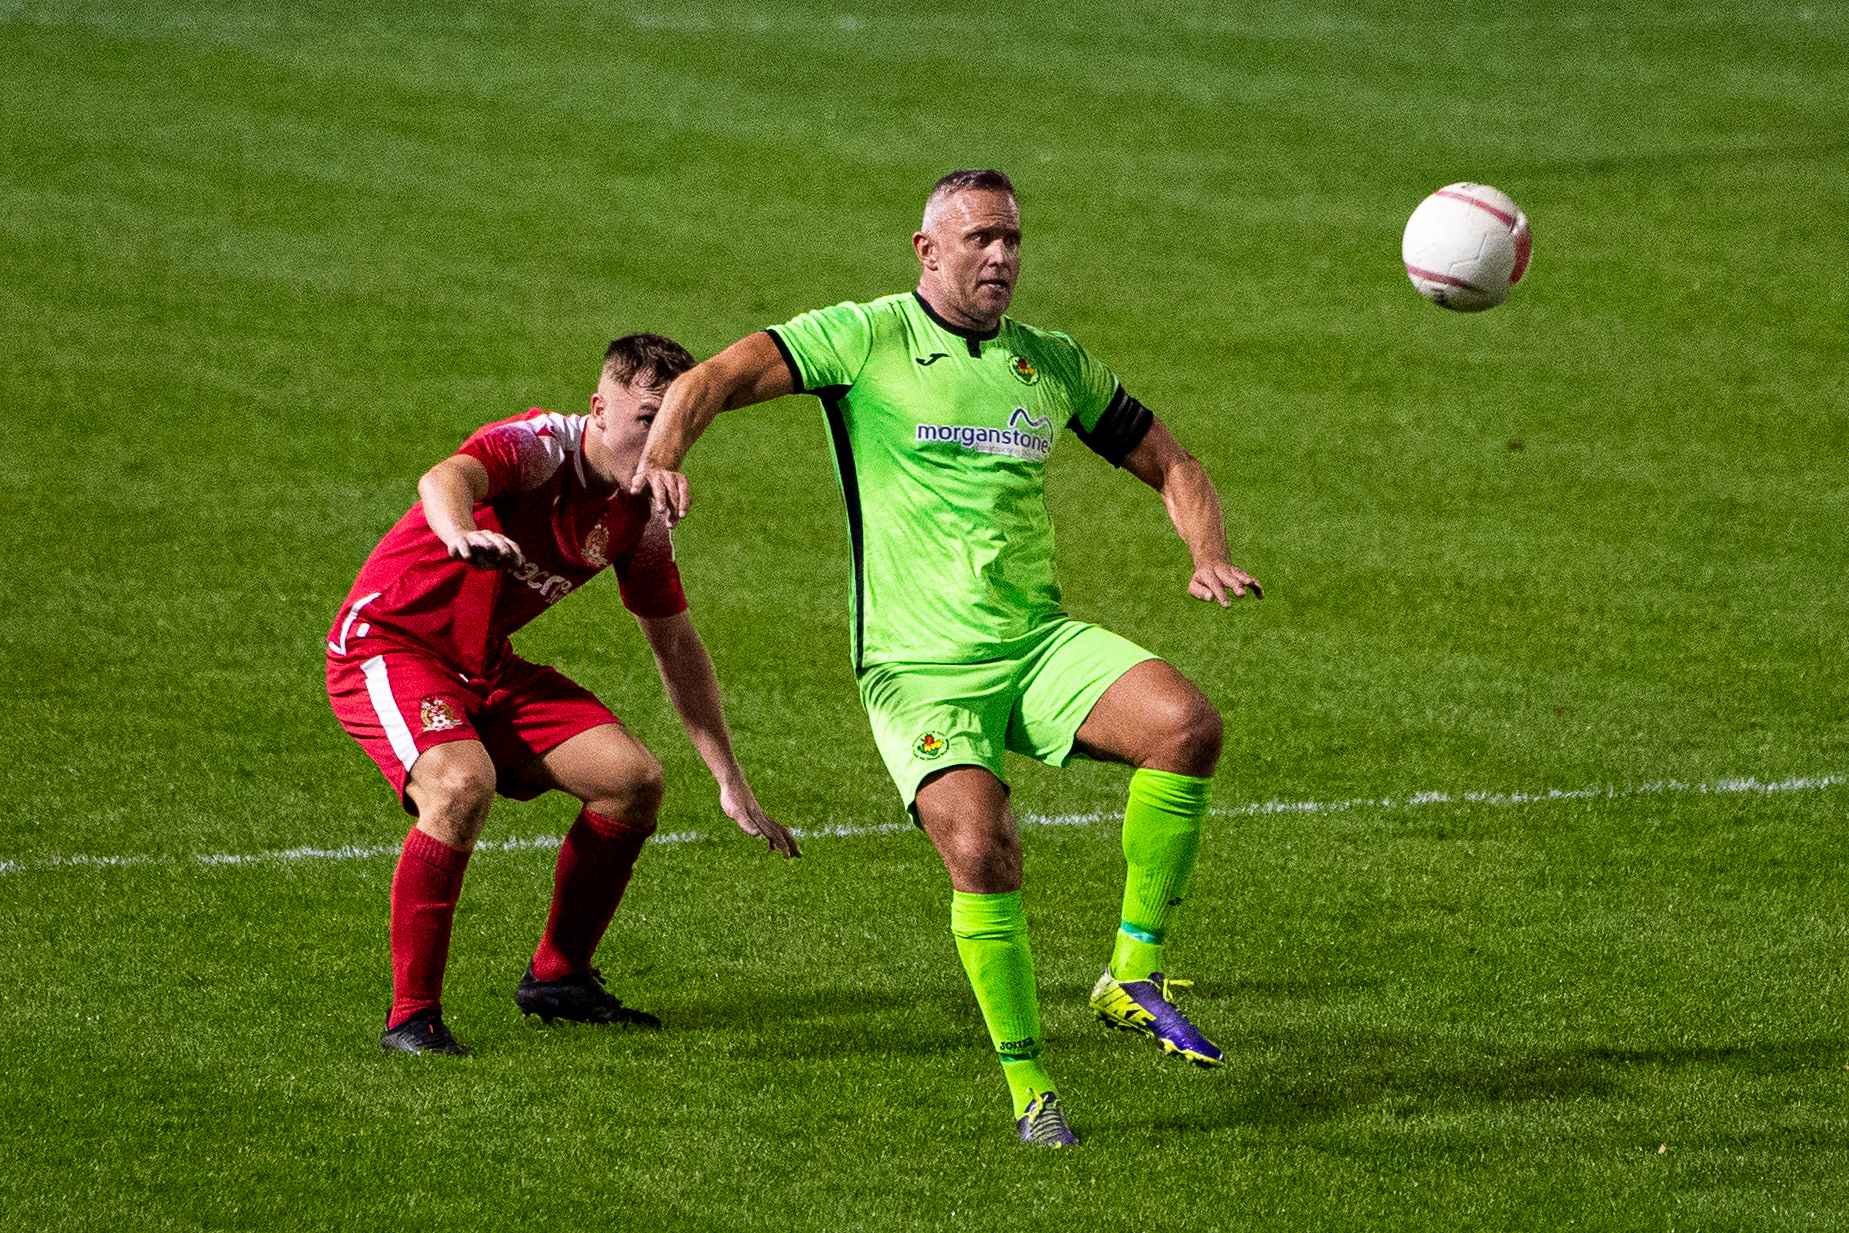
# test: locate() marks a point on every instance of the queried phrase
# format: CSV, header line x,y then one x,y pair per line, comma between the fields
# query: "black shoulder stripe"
x,y
1120,429
796,374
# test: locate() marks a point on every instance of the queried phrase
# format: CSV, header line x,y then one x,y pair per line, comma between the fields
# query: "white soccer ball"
x,y
1466,247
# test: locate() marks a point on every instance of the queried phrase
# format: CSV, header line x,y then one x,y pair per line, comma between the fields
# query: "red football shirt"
x,y
542,496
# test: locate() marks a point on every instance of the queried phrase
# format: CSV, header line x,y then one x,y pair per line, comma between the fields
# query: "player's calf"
x,y
595,862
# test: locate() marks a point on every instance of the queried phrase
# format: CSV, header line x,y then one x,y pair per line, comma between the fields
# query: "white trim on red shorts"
x,y
379,689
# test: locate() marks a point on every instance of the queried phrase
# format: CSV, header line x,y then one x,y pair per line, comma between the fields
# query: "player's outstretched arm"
x,y
687,672
749,371
1194,507
450,491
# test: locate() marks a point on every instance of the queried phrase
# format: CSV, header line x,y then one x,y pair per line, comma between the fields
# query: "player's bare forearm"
x,y
450,491
689,408
1193,505
749,371
693,690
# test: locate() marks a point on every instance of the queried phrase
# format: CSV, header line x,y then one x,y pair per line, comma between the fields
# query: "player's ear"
x,y
597,406
926,248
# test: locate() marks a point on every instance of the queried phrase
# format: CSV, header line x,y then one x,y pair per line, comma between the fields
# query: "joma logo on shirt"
x,y
1013,441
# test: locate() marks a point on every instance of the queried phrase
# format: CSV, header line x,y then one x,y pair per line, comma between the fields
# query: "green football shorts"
x,y
928,717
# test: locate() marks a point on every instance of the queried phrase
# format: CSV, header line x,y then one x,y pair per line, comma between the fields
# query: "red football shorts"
x,y
400,702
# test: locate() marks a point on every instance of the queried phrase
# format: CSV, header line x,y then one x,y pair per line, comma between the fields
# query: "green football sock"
x,y
1162,834
991,934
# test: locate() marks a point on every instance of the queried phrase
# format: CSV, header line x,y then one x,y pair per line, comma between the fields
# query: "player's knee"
x,y
1190,735
988,856
636,794
1206,734
454,788
996,841
648,788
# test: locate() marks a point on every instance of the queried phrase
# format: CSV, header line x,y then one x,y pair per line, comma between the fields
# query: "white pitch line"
x,y
1417,800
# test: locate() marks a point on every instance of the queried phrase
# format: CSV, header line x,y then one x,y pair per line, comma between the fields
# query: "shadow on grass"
x,y
840,1020
1399,1078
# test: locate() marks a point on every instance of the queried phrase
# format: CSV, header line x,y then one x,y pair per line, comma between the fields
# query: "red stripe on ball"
x,y
1508,220
1448,280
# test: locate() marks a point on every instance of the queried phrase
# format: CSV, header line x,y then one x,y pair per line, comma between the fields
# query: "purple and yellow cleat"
x,y
1144,1006
1044,1123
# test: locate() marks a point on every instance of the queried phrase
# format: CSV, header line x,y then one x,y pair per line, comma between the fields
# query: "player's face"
x,y
621,415
975,246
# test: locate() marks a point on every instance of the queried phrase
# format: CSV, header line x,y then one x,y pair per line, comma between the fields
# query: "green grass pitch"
x,y
1524,907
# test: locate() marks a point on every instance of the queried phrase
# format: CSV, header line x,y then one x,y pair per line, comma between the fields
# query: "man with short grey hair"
x,y
943,411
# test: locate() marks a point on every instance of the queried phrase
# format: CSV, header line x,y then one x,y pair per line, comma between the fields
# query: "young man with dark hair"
x,y
420,672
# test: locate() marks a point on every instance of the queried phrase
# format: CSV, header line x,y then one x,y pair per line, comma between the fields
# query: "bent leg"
x,y
964,809
451,785
965,812
1153,716
611,771
1155,719
621,785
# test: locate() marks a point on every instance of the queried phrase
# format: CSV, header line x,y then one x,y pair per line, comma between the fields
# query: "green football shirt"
x,y
941,437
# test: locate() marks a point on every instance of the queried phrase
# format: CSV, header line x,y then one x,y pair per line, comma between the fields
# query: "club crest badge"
x,y
438,715
1024,372
597,546
930,745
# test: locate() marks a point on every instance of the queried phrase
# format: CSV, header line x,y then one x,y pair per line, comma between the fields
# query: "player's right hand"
x,y
742,807
668,491
1218,581
487,550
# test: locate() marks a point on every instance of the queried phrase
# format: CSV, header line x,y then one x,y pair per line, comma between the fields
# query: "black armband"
x,y
1120,429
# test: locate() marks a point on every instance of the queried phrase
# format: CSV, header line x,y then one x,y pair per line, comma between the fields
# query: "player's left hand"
x,y
743,808
668,491
1219,581
487,550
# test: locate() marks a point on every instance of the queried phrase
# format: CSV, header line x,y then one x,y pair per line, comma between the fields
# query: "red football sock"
x,y
593,870
424,892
